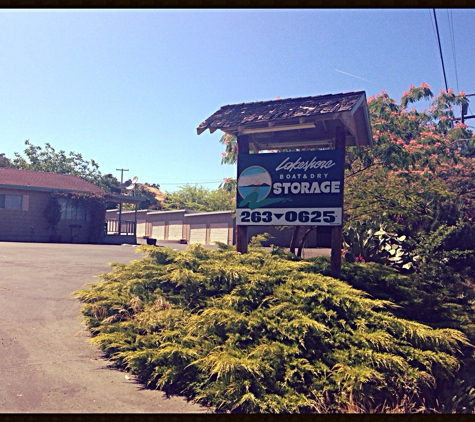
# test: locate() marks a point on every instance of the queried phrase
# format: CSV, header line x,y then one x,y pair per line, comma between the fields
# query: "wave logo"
x,y
254,185
255,179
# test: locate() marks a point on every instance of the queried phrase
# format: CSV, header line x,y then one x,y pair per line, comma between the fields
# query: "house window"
x,y
11,202
72,211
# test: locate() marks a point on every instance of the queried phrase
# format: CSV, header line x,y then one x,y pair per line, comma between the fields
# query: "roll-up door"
x,y
219,232
198,233
158,230
175,230
141,228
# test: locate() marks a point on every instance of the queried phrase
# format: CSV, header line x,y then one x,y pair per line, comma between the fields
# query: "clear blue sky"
x,y
128,88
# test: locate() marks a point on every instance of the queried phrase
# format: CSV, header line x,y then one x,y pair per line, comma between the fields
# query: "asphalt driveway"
x,y
46,363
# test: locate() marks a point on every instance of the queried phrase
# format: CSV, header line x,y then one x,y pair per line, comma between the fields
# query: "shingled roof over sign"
x,y
349,107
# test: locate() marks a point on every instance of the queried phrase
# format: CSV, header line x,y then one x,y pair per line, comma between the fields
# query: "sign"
x,y
290,188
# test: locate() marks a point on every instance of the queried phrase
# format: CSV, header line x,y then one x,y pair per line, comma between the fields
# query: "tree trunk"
x,y
295,236
304,238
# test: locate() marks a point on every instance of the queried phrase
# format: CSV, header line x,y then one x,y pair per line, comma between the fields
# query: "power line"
x,y
440,50
452,39
189,183
433,26
122,174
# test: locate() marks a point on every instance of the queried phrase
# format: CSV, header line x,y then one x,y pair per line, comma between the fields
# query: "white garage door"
x,y
158,230
198,233
219,232
175,230
140,228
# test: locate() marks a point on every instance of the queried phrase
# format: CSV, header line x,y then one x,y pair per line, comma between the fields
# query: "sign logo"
x,y
254,185
308,182
255,179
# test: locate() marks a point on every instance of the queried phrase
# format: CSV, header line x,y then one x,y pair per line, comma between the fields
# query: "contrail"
x,y
349,74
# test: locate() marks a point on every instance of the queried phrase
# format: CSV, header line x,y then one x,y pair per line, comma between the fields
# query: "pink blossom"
x,y
424,85
411,86
450,91
461,94
223,154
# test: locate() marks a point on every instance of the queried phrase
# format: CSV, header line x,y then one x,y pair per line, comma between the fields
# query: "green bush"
x,y
436,298
260,333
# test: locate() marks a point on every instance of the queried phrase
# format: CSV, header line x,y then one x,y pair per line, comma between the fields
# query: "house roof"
x,y
318,113
40,180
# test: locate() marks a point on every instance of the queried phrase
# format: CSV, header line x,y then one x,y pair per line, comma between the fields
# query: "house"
x,y
24,195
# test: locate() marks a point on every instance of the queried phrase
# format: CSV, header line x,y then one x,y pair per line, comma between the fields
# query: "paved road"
x,y
46,363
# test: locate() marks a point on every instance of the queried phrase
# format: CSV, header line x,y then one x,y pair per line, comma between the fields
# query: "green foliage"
x,y
260,333
52,213
95,204
229,156
438,299
416,177
198,198
258,240
368,244
149,192
48,159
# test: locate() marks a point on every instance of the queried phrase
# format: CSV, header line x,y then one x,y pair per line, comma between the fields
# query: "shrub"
x,y
260,333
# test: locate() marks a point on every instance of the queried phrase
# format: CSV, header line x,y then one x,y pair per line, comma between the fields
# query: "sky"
x,y
128,88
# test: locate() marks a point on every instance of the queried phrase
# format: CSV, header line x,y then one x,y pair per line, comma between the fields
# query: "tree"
x,y
52,213
229,156
199,198
410,204
48,159
154,197
417,176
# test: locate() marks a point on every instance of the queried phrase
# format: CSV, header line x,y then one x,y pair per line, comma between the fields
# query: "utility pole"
x,y
122,174
120,204
463,111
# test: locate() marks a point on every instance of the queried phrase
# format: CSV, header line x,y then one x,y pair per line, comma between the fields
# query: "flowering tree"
x,y
418,175
229,155
417,178
410,204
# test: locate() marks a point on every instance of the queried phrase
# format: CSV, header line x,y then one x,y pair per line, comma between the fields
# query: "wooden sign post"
x,y
337,236
242,143
300,180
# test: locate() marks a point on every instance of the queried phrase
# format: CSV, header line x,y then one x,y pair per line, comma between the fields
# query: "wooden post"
x,y
120,219
337,236
135,223
241,231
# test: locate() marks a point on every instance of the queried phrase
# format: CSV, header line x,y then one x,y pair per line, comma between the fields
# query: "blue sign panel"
x,y
290,188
